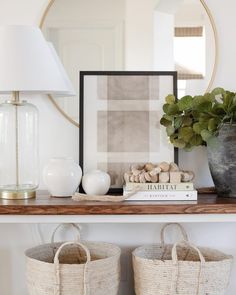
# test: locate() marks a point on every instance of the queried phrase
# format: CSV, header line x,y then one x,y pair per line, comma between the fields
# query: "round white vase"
x,y
96,182
62,177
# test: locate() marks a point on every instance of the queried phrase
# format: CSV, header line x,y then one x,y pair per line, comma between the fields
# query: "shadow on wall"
x,y
127,282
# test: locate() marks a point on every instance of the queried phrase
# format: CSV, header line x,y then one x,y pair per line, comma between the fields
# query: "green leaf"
x,y
205,106
209,96
228,100
232,108
206,135
168,117
204,118
185,103
173,137
187,121
234,100
213,124
179,143
186,133
165,122
170,130
218,91
199,126
170,99
218,109
198,99
196,140
202,103
165,107
172,109
178,122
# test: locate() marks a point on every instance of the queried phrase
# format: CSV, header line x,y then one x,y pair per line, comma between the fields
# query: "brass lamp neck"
x,y
16,97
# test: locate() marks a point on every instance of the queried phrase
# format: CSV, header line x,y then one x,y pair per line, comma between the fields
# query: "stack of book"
x,y
183,191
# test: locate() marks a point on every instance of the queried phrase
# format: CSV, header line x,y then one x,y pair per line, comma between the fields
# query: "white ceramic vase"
x,y
96,182
62,177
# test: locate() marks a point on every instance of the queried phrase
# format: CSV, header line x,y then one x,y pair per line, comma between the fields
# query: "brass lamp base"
x,y
17,195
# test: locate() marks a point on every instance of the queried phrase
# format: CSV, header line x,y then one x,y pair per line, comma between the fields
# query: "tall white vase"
x,y
62,177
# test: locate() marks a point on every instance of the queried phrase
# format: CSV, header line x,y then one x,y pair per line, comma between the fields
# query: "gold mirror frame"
x,y
50,4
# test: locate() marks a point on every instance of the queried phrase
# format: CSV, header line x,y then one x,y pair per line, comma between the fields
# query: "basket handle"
x,y
175,260
182,230
174,254
57,290
75,226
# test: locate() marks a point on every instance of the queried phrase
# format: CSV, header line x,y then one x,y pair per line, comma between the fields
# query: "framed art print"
x,y
120,116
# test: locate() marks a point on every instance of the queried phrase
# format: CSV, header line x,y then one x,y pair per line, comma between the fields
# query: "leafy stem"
x,y
196,120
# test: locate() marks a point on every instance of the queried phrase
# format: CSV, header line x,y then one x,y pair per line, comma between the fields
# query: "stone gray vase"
x,y
222,161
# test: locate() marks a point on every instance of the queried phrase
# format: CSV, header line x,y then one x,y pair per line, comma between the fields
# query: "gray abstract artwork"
x,y
127,125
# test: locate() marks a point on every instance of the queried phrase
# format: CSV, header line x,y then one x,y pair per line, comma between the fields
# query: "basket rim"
x,y
115,247
159,245
165,261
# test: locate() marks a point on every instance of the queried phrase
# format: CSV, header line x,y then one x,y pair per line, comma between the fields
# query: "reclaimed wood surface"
x,y
46,205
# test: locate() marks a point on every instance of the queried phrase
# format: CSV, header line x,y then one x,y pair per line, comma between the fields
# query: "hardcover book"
x,y
170,195
132,186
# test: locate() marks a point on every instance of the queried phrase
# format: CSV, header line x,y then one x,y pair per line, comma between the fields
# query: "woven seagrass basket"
x,y
181,268
73,268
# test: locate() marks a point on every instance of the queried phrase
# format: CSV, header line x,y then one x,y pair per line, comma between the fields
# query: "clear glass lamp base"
x,y
20,192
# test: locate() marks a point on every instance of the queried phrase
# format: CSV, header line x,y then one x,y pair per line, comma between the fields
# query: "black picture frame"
x,y
83,74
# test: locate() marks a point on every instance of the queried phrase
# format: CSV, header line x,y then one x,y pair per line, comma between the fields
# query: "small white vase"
x,y
96,182
62,177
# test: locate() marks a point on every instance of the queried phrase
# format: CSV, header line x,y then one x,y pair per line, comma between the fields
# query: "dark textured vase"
x,y
222,161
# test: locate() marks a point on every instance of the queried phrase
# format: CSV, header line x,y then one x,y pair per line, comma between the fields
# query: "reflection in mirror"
x,y
132,35
191,43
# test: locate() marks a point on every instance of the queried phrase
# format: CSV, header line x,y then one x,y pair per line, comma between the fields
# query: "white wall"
x,y
163,41
57,136
139,35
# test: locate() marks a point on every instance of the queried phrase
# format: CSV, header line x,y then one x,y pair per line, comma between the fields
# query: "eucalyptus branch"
x,y
189,124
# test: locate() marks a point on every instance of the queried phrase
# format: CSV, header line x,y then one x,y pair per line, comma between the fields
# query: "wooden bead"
x,y
175,177
147,177
187,176
164,166
154,178
149,167
127,176
142,178
164,177
136,178
191,175
174,167
155,171
132,178
136,172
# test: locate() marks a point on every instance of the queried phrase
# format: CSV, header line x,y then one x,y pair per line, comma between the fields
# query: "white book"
x,y
129,186
161,195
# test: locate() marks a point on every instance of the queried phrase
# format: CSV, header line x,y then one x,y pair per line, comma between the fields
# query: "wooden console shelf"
x,y
46,205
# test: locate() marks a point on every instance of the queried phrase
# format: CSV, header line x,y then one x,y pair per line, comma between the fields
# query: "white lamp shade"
x,y
70,88
27,63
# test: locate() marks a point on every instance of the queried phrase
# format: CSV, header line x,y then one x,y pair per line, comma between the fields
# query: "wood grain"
x,y
46,205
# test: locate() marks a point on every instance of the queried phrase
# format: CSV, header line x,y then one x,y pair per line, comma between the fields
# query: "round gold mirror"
x,y
129,35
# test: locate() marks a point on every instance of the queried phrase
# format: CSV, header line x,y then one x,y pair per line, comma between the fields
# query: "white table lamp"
x,y
27,65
